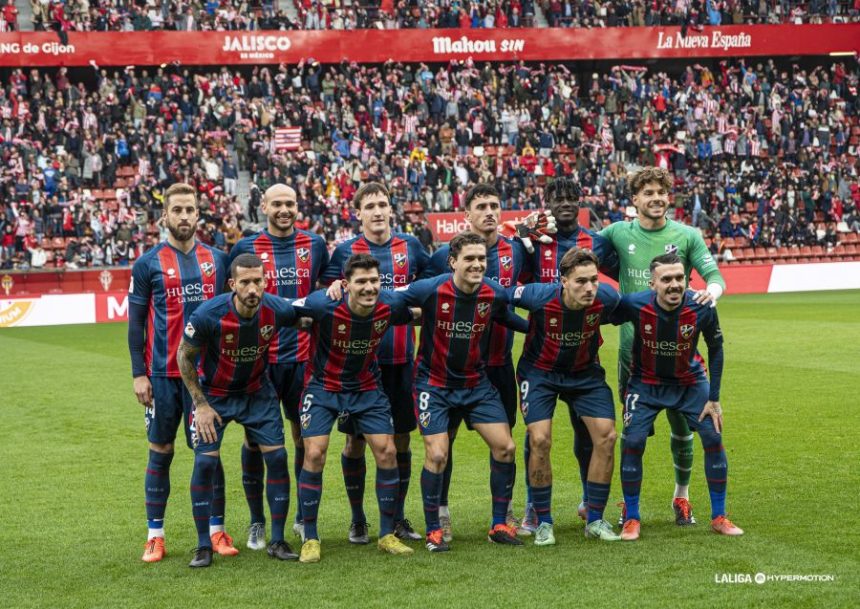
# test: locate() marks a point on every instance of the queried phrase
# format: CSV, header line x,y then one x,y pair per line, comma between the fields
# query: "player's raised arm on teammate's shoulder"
x,y
624,311
610,298
704,263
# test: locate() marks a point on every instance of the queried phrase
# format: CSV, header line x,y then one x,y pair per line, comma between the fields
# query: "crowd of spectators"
x,y
142,15
759,150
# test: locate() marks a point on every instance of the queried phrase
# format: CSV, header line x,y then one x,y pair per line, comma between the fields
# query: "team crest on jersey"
x,y
671,248
267,331
229,338
380,325
208,268
303,253
424,419
592,319
506,261
483,307
400,259
341,328
305,420
687,331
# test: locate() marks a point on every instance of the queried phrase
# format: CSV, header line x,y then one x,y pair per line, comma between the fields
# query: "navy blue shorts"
x,y
289,381
257,412
171,405
587,394
397,386
435,405
643,403
367,412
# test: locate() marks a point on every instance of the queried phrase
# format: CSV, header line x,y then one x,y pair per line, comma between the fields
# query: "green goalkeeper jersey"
x,y
637,247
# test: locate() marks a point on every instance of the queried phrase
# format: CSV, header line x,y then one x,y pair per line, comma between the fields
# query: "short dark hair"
x,y
359,261
646,175
246,261
576,257
662,259
563,188
462,240
371,188
479,190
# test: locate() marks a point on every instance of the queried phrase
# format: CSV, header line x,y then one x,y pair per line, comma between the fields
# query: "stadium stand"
x,y
111,15
764,153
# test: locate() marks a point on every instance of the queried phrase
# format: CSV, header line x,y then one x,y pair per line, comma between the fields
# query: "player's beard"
x,y
181,233
249,302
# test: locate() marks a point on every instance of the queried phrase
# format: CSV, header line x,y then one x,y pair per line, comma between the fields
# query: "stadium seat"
x,y
783,252
805,251
817,250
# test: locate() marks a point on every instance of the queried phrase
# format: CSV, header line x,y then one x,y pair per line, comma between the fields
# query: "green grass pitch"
x,y
72,522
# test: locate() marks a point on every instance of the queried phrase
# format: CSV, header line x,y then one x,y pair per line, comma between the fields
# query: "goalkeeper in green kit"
x,y
651,234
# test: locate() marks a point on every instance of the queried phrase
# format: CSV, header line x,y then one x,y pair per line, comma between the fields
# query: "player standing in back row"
x,y
168,283
402,259
637,243
293,260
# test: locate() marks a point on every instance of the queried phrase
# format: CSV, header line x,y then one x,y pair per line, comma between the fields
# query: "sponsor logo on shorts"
x,y
687,330
628,416
342,417
424,419
305,420
267,331
192,427
518,293
524,408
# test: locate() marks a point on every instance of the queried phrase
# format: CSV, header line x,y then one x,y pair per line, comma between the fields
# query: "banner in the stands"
x,y
29,49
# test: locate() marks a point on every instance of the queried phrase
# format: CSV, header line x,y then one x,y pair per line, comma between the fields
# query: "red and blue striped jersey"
x,y
345,344
505,260
561,339
543,263
293,265
452,326
172,285
235,348
402,259
665,342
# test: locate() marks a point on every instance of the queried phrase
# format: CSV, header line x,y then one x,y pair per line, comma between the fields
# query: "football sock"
x,y
310,493
216,512
252,482
431,487
631,474
527,451
387,485
582,448
716,470
354,472
681,443
446,476
598,495
201,496
404,471
156,491
298,463
277,490
502,477
542,502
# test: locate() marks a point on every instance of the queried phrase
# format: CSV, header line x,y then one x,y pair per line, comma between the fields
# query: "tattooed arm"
x,y
204,415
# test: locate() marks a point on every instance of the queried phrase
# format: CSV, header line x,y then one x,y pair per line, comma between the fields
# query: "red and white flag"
x,y
288,138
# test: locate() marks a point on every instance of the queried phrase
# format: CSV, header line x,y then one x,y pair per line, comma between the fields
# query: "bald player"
x,y
293,260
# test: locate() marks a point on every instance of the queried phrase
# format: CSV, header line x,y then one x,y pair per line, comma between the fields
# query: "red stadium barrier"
x,y
37,283
26,49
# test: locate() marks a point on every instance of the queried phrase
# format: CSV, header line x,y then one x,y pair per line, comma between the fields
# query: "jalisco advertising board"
x,y
27,49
